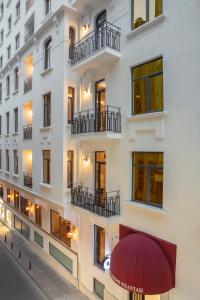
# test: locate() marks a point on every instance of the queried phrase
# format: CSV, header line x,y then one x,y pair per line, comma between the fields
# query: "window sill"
x,y
15,133
7,135
15,92
47,71
145,27
147,207
147,116
7,98
15,175
7,173
46,128
17,19
45,185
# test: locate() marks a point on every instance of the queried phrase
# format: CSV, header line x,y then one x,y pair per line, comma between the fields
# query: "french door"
x,y
100,178
100,105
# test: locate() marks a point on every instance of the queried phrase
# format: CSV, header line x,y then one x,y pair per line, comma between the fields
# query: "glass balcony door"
x,y
100,178
100,105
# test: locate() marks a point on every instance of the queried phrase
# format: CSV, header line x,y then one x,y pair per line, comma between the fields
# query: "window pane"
x,y
156,186
156,93
139,184
139,13
99,245
140,96
148,68
155,8
55,224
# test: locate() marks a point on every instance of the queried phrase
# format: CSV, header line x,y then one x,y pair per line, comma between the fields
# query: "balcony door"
x,y
100,105
100,177
100,32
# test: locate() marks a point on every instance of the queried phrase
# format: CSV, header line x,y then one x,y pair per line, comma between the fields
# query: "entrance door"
x,y
100,177
100,105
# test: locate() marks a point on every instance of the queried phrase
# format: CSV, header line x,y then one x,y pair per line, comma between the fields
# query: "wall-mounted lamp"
x,y
85,160
73,233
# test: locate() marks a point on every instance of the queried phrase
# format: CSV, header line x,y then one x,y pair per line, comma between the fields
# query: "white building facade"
x,y
99,141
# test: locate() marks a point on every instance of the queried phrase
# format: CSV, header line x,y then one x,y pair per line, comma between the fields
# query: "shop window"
x,y
144,11
25,206
99,288
1,191
16,200
70,104
147,95
62,258
46,166
147,181
8,195
38,215
60,228
99,246
70,168
22,228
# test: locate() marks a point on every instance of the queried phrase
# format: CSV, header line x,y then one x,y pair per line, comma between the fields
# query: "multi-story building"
x,y
99,141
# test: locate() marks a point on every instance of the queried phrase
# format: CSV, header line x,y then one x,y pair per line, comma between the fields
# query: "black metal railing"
x,y
29,34
107,35
28,180
29,4
93,120
27,132
102,204
28,84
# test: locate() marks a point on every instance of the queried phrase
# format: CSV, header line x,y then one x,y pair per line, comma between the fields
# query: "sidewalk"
x,y
53,285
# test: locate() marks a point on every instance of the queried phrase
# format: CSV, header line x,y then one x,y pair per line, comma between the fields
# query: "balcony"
x,y
29,35
28,180
27,132
29,4
100,46
28,84
105,205
94,121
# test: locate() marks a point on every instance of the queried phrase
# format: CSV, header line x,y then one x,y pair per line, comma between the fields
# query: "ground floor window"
x,y
60,227
99,246
25,206
22,228
16,200
38,215
99,288
70,168
8,195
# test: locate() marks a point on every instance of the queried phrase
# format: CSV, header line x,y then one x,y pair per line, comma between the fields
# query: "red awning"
x,y
140,265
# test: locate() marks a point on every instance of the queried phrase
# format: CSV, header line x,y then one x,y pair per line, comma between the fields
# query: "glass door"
x,y
100,178
100,105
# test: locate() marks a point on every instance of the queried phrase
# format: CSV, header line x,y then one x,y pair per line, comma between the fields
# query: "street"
x,y
14,282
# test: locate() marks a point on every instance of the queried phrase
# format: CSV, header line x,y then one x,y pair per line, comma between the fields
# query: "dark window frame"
x,y
70,165
16,162
97,246
70,103
46,164
47,110
47,53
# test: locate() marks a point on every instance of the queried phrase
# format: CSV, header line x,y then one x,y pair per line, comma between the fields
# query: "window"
x,y
71,41
47,54
147,178
8,195
9,23
143,297
16,120
1,92
144,11
16,200
60,228
17,41
99,288
9,51
47,110
38,215
70,104
101,19
18,9
47,6
22,227
8,86
2,36
7,161
25,206
0,159
147,93
99,245
0,125
46,166
15,153
1,191
1,9
70,168
1,61
16,78
7,123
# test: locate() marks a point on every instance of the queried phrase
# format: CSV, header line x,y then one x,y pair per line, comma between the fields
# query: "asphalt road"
x,y
15,284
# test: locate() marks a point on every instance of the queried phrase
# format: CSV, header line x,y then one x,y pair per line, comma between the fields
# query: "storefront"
x,y
5,214
143,264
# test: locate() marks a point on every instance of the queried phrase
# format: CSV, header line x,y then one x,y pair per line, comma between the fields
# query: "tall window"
x,y
16,78
0,125
18,9
16,200
25,206
17,41
8,86
7,161
147,181
46,166
16,169
101,19
99,246
9,23
1,61
70,168
8,195
47,53
2,35
137,297
70,104
16,120
147,93
38,215
0,159
47,6
47,110
7,123
9,51
144,11
60,227
1,191
71,41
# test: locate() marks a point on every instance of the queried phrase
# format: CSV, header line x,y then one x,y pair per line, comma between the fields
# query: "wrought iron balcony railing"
x,y
28,84
28,180
29,4
106,120
29,34
107,35
27,132
102,204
